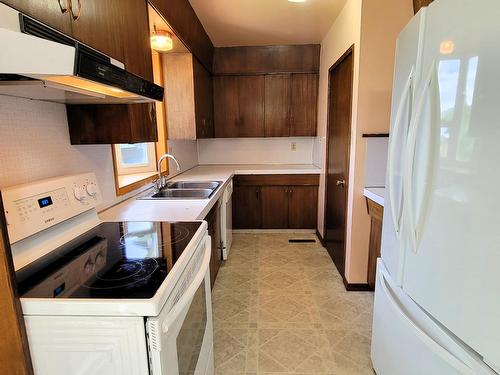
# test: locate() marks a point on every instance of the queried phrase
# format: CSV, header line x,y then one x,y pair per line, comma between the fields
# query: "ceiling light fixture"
x,y
161,40
297,1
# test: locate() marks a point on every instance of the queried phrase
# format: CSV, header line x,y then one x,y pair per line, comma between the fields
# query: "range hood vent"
x,y
39,62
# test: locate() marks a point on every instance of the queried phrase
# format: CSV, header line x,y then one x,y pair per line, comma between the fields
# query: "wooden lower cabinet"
x,y
247,207
214,231
376,213
275,207
303,207
275,202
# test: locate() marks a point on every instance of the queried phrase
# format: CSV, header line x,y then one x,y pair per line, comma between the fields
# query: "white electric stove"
x,y
103,297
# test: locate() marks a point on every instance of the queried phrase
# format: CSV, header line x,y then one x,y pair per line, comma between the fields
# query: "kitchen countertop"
x,y
375,194
133,209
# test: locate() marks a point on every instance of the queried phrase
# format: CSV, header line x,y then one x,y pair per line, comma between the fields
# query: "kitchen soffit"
x,y
266,22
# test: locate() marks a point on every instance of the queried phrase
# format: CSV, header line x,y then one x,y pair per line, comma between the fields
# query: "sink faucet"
x,y
160,183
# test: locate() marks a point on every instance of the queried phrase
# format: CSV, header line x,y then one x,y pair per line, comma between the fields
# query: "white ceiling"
x,y
266,22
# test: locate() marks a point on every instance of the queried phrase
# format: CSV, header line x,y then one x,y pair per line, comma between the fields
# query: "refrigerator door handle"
x,y
405,99
426,339
413,223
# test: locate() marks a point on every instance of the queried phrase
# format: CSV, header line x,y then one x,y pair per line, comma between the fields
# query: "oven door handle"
x,y
190,292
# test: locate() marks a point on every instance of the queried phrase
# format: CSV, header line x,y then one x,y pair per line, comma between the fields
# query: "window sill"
x,y
131,182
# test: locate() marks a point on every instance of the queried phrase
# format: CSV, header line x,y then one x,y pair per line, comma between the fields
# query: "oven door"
x,y
180,338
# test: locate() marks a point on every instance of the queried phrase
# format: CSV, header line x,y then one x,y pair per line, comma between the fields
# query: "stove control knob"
x,y
92,190
79,194
89,267
99,259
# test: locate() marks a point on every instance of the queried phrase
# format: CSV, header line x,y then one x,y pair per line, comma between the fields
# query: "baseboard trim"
x,y
356,287
256,231
320,238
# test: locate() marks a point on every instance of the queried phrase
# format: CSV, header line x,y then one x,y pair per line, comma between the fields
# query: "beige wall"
x,y
372,26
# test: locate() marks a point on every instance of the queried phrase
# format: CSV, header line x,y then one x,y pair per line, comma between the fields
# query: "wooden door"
x,y
226,114
277,105
14,351
251,93
304,105
247,207
303,207
47,11
275,207
338,143
203,101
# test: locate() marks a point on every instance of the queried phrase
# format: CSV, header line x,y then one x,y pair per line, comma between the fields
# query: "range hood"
x,y
38,62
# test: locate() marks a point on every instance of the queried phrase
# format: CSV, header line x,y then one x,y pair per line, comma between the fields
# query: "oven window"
x,y
190,337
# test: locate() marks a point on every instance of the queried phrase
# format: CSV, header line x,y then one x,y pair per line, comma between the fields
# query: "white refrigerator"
x,y
437,297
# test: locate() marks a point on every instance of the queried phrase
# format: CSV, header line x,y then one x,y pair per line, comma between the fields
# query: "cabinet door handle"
x,y
64,9
257,193
78,13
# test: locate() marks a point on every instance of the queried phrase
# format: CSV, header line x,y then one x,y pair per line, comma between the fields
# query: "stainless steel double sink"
x,y
185,190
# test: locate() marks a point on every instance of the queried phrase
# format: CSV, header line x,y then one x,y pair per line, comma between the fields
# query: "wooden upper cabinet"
x,y
47,11
203,101
291,105
251,91
239,106
188,97
304,104
102,25
226,112
277,105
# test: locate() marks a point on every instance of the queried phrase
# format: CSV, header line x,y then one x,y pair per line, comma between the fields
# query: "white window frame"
x,y
150,166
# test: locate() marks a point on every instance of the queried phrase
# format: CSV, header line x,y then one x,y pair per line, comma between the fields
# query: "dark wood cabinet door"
x,y
214,231
247,207
226,112
102,26
203,101
303,207
251,92
275,207
277,105
304,105
47,11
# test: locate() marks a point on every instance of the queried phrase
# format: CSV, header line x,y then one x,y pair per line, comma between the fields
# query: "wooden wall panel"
x,y
14,352
417,4
267,59
181,16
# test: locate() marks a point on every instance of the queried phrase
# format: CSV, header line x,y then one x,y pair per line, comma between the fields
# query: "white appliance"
x,y
437,300
227,220
101,298
39,62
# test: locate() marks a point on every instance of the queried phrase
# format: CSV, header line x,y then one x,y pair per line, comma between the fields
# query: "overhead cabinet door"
x,y
226,112
453,252
251,106
303,104
277,104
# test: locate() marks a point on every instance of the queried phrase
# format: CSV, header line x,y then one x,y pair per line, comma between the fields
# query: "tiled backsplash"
x,y
34,144
256,151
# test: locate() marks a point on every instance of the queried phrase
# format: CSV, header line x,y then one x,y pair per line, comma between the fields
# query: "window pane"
x,y
134,154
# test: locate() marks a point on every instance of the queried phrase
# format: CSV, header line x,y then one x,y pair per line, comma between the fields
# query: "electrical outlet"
x,y
294,146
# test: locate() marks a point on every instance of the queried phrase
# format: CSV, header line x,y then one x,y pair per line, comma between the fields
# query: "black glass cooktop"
x,y
114,260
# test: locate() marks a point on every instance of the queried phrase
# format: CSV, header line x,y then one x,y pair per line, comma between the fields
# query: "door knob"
x,y
340,183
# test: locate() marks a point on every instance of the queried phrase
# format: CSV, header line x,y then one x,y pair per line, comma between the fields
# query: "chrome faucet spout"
x,y
160,183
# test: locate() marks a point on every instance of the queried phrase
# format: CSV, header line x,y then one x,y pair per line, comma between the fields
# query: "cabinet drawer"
x,y
277,180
